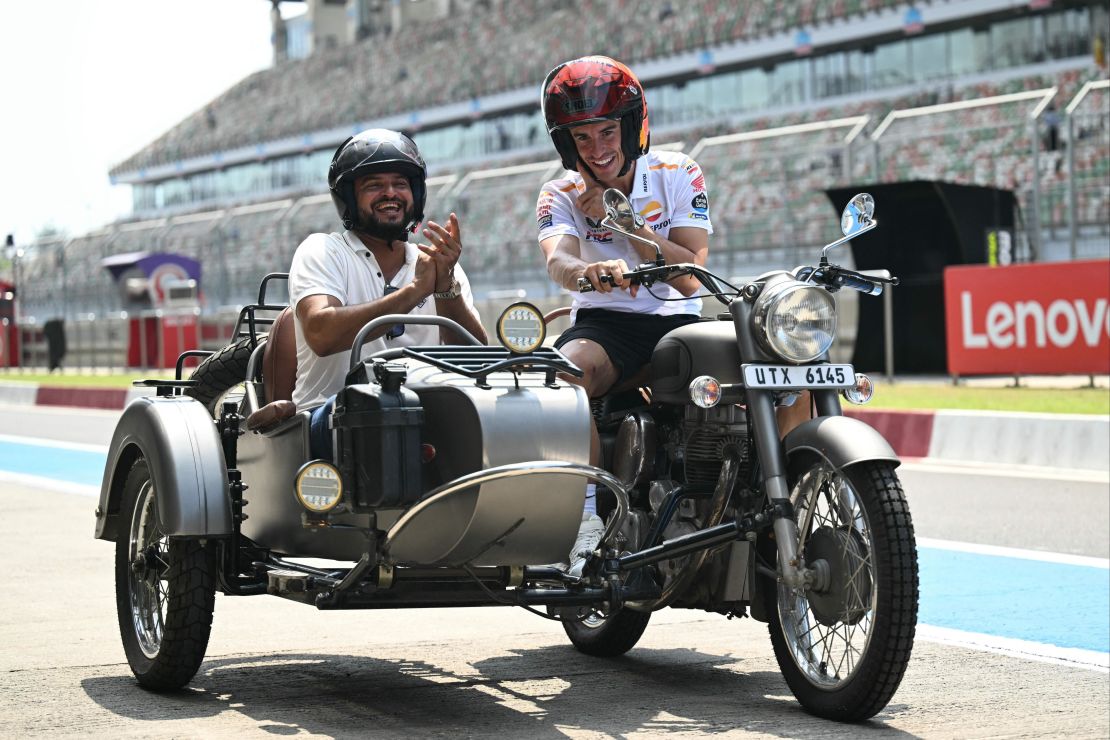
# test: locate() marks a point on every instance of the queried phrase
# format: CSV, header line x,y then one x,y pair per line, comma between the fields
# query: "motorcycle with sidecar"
x,y
459,477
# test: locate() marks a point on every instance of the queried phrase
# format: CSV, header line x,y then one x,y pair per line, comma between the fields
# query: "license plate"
x,y
799,376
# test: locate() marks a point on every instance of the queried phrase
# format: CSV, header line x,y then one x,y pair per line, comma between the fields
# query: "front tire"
x,y
607,637
165,592
843,644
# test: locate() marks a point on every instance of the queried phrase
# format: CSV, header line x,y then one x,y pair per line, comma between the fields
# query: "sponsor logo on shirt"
x,y
699,183
700,203
702,216
652,212
543,209
595,232
661,225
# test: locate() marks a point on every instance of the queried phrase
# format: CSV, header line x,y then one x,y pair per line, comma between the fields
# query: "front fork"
x,y
772,457
772,460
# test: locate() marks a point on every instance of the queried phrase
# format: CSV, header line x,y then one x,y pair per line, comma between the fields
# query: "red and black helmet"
x,y
592,89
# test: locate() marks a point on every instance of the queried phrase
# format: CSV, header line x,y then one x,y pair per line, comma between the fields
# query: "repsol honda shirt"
x,y
668,191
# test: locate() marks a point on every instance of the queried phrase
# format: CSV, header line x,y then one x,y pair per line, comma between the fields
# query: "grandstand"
x,y
777,100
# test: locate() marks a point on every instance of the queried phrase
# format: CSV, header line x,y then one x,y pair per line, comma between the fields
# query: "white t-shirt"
x,y
668,191
340,265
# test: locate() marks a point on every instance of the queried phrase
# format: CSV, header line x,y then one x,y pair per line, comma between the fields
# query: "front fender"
x,y
841,440
179,441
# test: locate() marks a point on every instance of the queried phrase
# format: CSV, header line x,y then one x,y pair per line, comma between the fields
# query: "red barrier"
x,y
96,398
908,432
1048,318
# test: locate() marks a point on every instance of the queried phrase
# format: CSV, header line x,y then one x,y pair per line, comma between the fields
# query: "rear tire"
x,y
607,637
843,647
220,374
165,591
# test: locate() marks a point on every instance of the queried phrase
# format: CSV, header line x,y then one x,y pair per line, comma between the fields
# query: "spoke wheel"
x,y
165,592
843,641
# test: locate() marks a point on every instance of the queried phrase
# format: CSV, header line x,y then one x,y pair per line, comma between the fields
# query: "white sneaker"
x,y
589,534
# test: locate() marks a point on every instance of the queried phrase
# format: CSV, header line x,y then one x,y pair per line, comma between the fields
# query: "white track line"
x,y
54,443
1014,552
969,467
1091,660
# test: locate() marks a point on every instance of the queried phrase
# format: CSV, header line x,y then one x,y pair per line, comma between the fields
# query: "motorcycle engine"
x,y
702,437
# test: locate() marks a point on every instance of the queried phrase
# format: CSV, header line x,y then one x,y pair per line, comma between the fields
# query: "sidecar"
x,y
459,473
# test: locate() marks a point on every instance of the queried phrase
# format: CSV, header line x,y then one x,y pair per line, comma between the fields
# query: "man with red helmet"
x,y
340,281
597,117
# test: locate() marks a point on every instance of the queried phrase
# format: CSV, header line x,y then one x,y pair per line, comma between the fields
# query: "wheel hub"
x,y
843,592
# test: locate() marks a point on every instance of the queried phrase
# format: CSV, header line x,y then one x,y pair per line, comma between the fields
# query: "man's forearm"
x,y
673,253
565,269
333,329
460,312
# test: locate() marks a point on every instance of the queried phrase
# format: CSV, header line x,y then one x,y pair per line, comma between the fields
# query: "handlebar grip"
x,y
862,284
585,286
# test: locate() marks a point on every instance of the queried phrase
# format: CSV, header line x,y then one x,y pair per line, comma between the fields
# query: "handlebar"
x,y
834,277
862,284
585,286
830,276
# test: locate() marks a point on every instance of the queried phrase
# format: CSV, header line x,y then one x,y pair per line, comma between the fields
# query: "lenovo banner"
x,y
1047,318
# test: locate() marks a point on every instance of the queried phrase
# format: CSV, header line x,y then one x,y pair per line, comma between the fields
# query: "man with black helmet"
x,y
340,281
596,115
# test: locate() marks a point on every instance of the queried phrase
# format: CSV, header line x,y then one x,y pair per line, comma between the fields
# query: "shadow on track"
x,y
538,693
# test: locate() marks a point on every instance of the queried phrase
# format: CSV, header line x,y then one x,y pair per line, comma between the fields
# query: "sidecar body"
x,y
509,419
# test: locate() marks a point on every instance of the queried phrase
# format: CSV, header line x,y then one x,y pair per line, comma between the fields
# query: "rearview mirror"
x,y
619,210
858,215
621,217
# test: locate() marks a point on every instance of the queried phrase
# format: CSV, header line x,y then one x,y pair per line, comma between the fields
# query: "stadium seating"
x,y
766,194
487,54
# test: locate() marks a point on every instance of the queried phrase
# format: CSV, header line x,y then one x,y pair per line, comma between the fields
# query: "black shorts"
x,y
628,338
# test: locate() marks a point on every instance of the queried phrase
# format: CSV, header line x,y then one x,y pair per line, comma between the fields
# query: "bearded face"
x,y
385,206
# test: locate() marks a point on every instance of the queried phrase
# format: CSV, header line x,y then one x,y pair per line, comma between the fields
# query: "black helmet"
x,y
376,150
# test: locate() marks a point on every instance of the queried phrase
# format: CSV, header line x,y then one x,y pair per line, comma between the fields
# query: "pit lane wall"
x,y
1071,441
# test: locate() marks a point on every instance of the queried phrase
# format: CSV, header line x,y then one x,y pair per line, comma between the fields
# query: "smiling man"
x,y
340,281
596,114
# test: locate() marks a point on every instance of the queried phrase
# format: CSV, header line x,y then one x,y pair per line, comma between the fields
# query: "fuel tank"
x,y
704,348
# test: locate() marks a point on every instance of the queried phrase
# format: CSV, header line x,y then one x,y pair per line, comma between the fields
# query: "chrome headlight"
x,y
795,321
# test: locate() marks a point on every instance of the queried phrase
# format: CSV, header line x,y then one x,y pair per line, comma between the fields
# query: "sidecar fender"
x,y
841,440
179,441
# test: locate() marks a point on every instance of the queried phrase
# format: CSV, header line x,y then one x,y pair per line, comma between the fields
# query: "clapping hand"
x,y
445,250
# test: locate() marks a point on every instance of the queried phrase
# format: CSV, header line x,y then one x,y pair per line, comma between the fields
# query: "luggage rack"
x,y
481,361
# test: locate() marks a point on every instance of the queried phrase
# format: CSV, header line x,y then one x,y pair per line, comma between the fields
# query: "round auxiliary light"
x,y
705,391
861,392
318,486
521,329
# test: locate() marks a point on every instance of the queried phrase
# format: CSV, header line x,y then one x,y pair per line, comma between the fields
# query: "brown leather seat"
x,y
279,359
279,373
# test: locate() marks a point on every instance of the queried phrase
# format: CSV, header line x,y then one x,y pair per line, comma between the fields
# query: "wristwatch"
x,y
453,292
